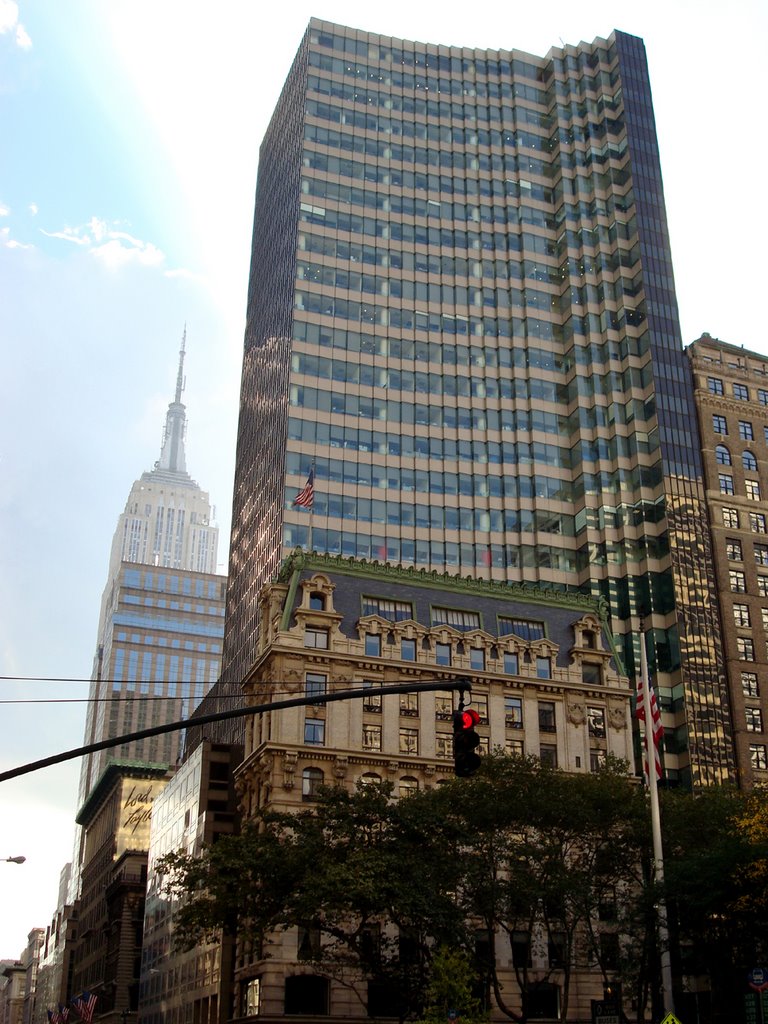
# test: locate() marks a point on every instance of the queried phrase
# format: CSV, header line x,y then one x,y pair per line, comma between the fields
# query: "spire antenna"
x,y
180,375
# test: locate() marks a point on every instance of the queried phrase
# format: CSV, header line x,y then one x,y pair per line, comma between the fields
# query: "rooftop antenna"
x,y
180,382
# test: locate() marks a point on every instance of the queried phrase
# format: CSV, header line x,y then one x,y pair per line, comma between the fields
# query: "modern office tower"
x,y
162,613
462,319
732,402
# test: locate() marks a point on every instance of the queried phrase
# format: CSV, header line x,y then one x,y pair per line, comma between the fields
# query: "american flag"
x,y
305,498
63,1014
53,1017
85,1006
657,729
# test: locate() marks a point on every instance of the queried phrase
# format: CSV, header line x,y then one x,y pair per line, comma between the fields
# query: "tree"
x,y
450,993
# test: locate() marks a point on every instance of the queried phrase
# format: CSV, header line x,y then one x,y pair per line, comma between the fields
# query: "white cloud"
x,y
10,243
9,22
33,209
115,254
4,210
68,235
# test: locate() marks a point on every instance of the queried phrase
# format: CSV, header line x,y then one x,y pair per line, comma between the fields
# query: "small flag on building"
x,y
63,1014
656,729
306,497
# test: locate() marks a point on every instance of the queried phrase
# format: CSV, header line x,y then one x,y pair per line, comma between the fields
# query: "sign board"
x,y
670,1019
754,1012
604,1013
758,978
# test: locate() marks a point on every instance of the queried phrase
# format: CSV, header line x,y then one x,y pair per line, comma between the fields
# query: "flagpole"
x,y
311,511
658,851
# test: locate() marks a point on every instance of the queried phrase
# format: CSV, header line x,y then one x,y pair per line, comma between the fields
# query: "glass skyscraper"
x,y
462,317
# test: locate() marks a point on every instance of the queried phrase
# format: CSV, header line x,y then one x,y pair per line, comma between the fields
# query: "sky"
x,y
129,135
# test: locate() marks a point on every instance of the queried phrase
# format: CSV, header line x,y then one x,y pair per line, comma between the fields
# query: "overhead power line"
x,y
220,716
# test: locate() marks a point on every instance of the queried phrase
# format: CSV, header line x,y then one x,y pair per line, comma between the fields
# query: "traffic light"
x,y
465,741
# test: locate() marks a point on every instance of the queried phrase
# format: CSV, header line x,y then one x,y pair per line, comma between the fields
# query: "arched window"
x,y
749,461
408,785
311,780
370,779
723,455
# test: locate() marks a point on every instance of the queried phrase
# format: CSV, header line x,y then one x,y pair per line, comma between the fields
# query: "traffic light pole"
x,y
463,685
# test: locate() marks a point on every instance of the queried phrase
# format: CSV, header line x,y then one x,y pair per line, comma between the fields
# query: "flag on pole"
x,y
85,1006
63,1014
306,497
657,729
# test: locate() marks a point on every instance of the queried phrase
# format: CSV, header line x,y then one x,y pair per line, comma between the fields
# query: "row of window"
x,y
716,386
745,429
732,520
723,458
737,580
751,487
459,618
317,638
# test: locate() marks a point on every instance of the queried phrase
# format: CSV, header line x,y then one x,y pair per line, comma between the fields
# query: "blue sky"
x,y
129,135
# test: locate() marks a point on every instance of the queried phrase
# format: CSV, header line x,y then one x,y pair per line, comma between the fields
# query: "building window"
x,y
370,779
371,701
317,638
596,759
521,949
252,998
480,701
757,522
456,617
749,462
730,518
443,707
477,659
752,488
315,684
444,745
548,754
715,386
513,712
546,716
524,628
745,648
408,785
754,719
726,483
443,654
723,455
394,611
746,433
757,756
311,781
765,433
544,668
409,704
407,649
596,722
409,741
733,550
514,748
591,673
314,731
738,581
317,602
741,391
741,615
372,645
371,737
718,424
761,554
306,995
511,664
749,685
762,396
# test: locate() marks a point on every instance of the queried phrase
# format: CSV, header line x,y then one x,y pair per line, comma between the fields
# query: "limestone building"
x,y
544,682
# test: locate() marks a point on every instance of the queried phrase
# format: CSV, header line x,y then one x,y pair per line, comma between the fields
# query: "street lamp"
x,y
13,860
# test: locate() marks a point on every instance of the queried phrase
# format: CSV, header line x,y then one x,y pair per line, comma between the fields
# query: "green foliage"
x,y
450,990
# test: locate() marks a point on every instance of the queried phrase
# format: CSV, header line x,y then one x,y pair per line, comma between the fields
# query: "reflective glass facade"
x,y
462,313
